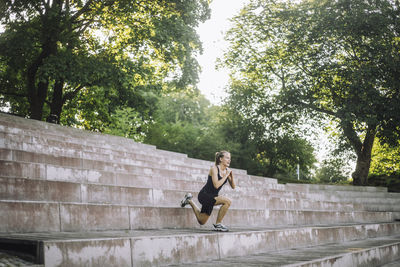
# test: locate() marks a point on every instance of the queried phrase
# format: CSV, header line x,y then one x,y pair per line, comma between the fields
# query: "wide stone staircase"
x,y
69,197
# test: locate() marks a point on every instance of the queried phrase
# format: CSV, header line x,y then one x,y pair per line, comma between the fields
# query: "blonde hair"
x,y
219,155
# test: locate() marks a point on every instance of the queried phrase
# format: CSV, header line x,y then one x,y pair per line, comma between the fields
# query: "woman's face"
x,y
226,159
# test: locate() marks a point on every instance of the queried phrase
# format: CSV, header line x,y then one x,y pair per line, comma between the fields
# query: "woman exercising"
x,y
208,195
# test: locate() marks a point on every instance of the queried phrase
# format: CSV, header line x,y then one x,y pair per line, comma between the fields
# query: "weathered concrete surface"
x,y
162,250
323,255
39,190
392,264
56,216
173,246
89,217
61,191
364,253
111,252
18,216
55,179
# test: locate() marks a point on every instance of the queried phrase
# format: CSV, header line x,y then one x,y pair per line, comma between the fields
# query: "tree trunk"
x,y
56,103
360,175
363,150
37,90
36,96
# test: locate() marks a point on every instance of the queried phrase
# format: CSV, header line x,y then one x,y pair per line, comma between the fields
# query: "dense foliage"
x,y
186,122
95,57
385,166
335,61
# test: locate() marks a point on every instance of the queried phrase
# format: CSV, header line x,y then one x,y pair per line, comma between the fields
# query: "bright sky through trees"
x,y
212,82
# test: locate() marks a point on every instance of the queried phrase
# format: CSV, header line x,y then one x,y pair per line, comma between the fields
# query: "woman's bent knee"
x,y
203,218
227,202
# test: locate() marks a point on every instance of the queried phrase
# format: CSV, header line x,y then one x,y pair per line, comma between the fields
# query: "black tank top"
x,y
209,187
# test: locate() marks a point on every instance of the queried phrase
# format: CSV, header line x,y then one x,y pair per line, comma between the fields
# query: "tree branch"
x,y
319,109
72,94
81,11
352,136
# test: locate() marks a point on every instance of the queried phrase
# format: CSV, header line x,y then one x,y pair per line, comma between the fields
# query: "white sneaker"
x,y
186,199
220,227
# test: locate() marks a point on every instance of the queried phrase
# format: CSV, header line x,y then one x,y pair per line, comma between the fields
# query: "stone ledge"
x,y
371,252
176,246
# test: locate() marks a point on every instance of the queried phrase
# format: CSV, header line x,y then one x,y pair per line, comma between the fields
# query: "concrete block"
x,y
25,170
39,190
43,190
333,188
240,244
90,253
157,218
6,154
29,217
118,195
24,156
90,217
164,250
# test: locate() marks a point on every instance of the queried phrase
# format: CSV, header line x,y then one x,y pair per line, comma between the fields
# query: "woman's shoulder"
x,y
213,168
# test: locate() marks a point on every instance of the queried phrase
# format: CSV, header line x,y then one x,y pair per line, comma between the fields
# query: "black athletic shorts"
x,y
207,201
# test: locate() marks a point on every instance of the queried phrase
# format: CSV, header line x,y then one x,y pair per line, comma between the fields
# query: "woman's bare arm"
x,y
214,175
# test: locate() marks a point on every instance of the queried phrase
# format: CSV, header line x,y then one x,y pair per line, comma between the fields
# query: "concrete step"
x,y
177,246
58,191
95,161
54,172
82,150
370,252
351,194
38,129
120,165
204,163
81,156
244,180
87,175
61,145
42,216
40,166
131,165
360,195
19,126
392,264
146,177
333,188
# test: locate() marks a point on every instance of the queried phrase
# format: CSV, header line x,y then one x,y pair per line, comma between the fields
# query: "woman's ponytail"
x,y
219,155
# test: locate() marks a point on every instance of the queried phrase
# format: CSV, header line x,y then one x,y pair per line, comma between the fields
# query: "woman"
x,y
208,195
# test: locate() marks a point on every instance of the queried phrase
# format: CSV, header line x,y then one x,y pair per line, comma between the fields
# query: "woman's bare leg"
x,y
202,218
226,203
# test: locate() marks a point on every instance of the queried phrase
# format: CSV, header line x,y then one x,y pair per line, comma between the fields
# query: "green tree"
x,y
183,123
266,148
331,171
385,167
335,60
52,51
385,159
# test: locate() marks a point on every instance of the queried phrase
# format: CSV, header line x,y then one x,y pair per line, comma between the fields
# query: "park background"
x,y
312,93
